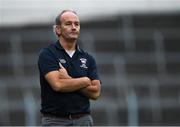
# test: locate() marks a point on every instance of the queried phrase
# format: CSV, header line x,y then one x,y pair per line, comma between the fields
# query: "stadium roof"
x,y
21,12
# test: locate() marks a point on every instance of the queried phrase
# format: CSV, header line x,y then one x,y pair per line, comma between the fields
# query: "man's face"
x,y
70,26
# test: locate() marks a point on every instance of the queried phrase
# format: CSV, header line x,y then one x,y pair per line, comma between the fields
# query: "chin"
x,y
74,37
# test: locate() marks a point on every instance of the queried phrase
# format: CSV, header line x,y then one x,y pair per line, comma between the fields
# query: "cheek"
x,y
78,30
65,30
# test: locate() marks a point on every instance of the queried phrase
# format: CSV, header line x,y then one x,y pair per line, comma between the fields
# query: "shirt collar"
x,y
58,45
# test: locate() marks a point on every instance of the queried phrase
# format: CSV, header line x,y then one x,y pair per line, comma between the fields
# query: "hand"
x,y
63,74
92,91
88,81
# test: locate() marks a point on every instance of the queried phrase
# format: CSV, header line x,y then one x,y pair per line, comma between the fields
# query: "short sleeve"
x,y
93,71
47,62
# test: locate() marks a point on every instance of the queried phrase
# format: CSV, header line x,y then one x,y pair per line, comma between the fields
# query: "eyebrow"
x,y
71,22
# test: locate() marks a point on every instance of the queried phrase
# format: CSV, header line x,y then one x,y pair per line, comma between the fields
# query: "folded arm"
x,y
62,82
92,91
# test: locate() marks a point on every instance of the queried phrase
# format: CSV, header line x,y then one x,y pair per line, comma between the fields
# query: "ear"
x,y
58,30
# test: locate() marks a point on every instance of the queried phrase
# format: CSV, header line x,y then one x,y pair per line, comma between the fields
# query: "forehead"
x,y
69,16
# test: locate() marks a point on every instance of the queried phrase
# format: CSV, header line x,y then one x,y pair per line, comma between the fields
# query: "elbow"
x,y
95,96
56,87
96,90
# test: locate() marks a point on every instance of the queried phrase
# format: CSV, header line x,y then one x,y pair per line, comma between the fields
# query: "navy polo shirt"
x,y
81,64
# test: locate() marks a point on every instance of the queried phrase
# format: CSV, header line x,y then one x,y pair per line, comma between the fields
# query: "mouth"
x,y
74,33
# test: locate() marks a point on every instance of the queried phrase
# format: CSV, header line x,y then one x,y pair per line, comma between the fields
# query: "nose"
x,y
73,26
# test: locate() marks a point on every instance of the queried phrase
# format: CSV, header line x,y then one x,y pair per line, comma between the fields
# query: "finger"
x,y
60,65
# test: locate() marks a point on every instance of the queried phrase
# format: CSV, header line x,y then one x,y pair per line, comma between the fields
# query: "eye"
x,y
77,24
68,23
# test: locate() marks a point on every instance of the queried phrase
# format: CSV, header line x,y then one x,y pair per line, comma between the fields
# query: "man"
x,y
68,77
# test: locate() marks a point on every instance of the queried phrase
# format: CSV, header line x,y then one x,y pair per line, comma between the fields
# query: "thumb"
x,y
60,65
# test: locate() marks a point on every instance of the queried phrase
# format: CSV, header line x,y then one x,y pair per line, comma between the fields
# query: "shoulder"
x,y
47,50
47,53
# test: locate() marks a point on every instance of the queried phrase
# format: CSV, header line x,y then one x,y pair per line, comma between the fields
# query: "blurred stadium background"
x,y
136,44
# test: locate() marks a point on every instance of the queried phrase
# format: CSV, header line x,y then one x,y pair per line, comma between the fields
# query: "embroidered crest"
x,y
63,61
83,63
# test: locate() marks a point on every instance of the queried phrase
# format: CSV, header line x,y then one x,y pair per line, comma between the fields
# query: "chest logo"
x,y
83,63
63,61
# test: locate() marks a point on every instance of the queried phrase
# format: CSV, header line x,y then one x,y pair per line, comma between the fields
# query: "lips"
x,y
74,33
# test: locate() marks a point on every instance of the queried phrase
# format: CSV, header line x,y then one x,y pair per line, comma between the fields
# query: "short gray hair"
x,y
58,19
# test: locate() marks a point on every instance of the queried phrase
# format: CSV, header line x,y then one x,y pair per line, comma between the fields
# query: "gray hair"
x,y
58,20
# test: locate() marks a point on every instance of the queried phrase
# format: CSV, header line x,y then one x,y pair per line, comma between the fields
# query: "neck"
x,y
67,45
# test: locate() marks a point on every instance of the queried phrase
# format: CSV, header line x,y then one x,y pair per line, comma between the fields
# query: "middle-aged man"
x,y
68,77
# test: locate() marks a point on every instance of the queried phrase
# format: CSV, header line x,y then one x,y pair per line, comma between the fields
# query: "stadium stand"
x,y
139,63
